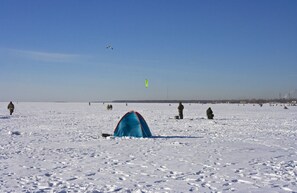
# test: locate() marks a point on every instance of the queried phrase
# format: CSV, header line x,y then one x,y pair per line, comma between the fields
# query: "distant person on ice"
x,y
10,107
209,113
180,110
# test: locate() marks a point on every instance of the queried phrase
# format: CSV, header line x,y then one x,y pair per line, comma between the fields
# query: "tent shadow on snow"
x,y
176,137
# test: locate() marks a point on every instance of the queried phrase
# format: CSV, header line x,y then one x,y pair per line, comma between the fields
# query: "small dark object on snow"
x,y
15,133
176,117
285,107
106,135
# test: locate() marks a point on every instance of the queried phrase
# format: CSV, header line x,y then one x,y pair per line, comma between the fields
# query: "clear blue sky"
x,y
56,50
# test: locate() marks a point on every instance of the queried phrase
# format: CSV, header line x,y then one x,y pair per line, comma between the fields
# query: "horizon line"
x,y
170,101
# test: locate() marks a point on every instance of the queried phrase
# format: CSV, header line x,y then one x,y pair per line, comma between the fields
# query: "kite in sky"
x,y
146,83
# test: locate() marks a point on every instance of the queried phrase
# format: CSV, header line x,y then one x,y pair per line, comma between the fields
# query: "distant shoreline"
x,y
232,101
210,101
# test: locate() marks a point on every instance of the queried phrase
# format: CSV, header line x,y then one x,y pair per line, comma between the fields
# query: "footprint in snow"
x,y
159,181
90,174
71,179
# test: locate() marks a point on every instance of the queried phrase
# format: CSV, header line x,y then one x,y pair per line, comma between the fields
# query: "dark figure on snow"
x,y
209,113
180,110
109,107
10,107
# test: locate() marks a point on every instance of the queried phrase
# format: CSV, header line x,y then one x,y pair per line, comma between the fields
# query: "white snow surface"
x,y
57,147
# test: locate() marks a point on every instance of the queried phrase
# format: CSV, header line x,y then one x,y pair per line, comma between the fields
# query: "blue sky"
x,y
56,50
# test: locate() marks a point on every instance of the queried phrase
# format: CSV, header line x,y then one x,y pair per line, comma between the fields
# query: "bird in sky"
x,y
109,47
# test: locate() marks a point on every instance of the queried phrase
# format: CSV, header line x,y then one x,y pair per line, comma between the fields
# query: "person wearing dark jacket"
x,y
10,107
209,113
180,110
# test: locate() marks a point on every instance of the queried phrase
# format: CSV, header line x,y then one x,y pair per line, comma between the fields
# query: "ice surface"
x,y
57,147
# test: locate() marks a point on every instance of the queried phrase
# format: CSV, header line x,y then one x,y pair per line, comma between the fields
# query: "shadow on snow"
x,y
4,117
175,137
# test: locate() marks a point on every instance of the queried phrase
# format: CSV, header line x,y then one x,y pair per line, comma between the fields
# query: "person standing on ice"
x,y
209,113
10,107
180,110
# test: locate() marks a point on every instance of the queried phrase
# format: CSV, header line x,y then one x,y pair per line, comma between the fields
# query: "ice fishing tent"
x,y
132,124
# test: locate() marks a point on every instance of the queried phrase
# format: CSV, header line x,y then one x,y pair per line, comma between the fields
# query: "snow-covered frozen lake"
x,y
59,148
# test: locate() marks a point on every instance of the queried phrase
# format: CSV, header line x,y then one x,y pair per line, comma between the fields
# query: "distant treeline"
x,y
257,101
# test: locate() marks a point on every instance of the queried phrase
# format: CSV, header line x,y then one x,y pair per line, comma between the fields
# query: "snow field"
x,y
57,147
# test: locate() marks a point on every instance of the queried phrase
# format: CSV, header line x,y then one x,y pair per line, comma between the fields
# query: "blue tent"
x,y
132,124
